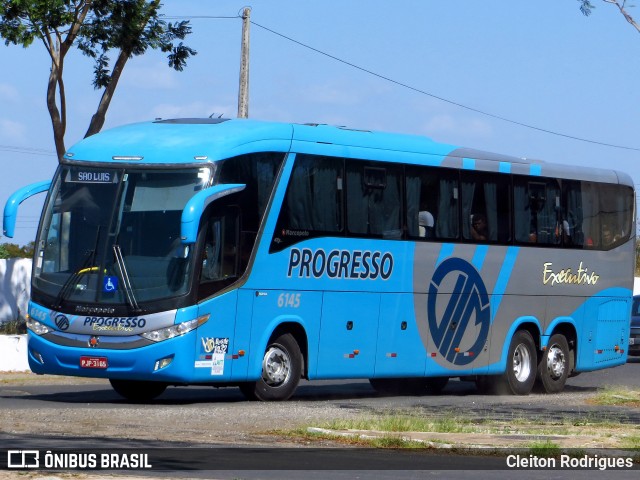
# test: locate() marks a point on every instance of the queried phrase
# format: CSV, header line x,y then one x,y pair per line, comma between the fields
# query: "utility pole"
x,y
243,91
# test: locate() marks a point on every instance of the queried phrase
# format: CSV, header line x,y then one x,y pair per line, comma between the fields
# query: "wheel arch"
x,y
279,326
528,323
299,334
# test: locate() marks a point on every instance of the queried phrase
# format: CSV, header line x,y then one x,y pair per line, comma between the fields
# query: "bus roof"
x,y
206,140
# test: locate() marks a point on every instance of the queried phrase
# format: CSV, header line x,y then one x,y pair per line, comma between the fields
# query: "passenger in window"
x,y
479,229
608,237
563,230
425,224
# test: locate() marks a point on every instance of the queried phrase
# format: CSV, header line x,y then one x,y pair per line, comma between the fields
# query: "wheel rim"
x,y
556,362
521,363
276,366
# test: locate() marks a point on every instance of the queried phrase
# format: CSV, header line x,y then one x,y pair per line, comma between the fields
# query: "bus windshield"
x,y
112,236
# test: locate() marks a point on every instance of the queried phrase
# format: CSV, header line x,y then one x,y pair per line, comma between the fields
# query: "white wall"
x,y
15,287
13,353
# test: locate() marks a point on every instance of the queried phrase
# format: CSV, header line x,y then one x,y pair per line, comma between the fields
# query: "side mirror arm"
x,y
11,207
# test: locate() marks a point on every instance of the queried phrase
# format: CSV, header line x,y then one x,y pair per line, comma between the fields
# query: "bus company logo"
x,y
340,264
469,300
115,324
62,322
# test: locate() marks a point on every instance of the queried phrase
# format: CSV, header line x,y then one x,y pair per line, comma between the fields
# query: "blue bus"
x,y
253,254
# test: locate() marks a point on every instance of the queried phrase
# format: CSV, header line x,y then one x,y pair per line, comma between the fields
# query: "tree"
x,y
11,250
586,7
96,28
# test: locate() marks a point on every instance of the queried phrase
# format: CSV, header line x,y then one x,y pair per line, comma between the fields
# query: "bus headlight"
x,y
37,327
175,330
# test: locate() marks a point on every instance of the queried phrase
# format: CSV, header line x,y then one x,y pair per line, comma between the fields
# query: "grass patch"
x,y
617,396
394,431
545,448
13,327
631,442
405,423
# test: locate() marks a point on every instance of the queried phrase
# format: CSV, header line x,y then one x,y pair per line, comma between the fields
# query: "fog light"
x,y
162,363
37,356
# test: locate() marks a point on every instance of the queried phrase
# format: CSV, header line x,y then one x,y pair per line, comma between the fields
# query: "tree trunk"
x,y
97,121
58,122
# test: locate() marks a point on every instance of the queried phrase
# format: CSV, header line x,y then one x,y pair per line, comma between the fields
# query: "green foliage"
x,y
585,7
97,27
11,250
14,327
4,254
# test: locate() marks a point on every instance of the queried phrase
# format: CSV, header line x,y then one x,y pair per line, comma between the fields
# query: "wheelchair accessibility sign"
x,y
110,284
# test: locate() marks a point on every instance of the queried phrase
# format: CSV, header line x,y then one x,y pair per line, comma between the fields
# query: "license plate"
x,y
93,362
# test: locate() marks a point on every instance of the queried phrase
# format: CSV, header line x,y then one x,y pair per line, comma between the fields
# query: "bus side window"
x,y
221,251
486,196
432,203
537,212
374,201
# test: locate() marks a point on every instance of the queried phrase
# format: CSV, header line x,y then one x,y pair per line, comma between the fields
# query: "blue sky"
x,y
538,63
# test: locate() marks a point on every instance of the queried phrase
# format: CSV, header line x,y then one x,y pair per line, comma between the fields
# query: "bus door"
x,y
348,334
400,350
220,268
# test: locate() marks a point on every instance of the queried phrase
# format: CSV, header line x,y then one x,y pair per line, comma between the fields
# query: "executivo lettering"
x,y
567,276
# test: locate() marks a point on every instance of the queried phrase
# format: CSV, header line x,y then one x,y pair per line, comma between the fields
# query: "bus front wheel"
x,y
553,368
137,391
281,370
521,365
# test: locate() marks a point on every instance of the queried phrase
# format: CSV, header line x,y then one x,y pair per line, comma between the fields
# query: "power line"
x,y
451,102
26,150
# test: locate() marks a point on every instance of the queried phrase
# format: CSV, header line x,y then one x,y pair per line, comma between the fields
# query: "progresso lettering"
x,y
115,323
342,264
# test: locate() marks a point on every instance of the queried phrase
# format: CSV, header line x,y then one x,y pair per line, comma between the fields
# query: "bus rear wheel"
x,y
138,391
281,370
521,365
554,365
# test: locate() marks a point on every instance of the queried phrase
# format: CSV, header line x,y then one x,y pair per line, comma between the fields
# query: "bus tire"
x,y
521,365
136,390
554,365
281,370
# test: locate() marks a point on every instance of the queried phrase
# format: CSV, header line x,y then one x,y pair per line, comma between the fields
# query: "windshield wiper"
x,y
126,281
88,259
73,278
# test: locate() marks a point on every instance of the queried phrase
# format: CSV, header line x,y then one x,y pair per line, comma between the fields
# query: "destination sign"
x,y
92,176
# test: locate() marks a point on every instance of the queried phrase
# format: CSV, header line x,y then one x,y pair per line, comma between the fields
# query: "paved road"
x,y
73,414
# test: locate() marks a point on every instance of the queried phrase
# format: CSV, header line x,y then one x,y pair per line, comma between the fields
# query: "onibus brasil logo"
x,y
469,300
